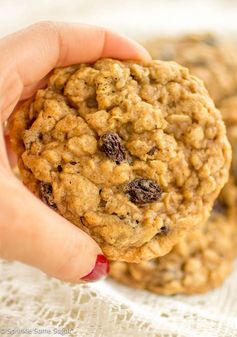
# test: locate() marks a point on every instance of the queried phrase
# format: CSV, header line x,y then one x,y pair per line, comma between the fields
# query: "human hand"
x,y
30,232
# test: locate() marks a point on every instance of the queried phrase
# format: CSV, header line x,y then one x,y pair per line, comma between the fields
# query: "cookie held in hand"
x,y
134,154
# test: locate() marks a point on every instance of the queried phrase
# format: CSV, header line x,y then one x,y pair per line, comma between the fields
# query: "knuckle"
x,y
48,29
45,26
50,32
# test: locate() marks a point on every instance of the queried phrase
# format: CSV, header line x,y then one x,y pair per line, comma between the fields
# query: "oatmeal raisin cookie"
x,y
134,154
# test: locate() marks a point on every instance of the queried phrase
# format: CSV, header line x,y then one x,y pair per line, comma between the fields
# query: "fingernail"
x,y
100,270
145,55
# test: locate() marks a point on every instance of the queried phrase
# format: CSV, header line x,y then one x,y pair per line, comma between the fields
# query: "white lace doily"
x,y
34,305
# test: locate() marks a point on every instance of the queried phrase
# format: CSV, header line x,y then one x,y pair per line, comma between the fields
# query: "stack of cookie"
x,y
136,155
203,259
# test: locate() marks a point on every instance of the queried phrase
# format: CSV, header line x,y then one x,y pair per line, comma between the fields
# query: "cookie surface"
x,y
211,58
133,154
214,60
198,263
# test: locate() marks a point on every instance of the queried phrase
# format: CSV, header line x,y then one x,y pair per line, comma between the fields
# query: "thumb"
x,y
32,233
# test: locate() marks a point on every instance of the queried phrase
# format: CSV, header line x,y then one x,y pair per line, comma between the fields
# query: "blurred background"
x,y
136,18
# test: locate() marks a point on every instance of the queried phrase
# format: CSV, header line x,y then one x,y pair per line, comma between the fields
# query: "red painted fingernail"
x,y
100,270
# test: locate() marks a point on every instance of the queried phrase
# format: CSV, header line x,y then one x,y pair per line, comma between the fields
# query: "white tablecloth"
x,y
32,302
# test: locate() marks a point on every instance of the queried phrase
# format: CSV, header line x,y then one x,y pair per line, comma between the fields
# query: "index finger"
x,y
28,55
34,51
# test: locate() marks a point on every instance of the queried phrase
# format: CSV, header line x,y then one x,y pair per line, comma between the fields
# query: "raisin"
x,y
113,147
92,103
46,195
142,191
152,151
164,230
219,207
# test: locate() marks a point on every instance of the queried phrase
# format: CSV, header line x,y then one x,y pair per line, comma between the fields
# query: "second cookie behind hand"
x,y
214,60
198,263
202,260
209,57
133,154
